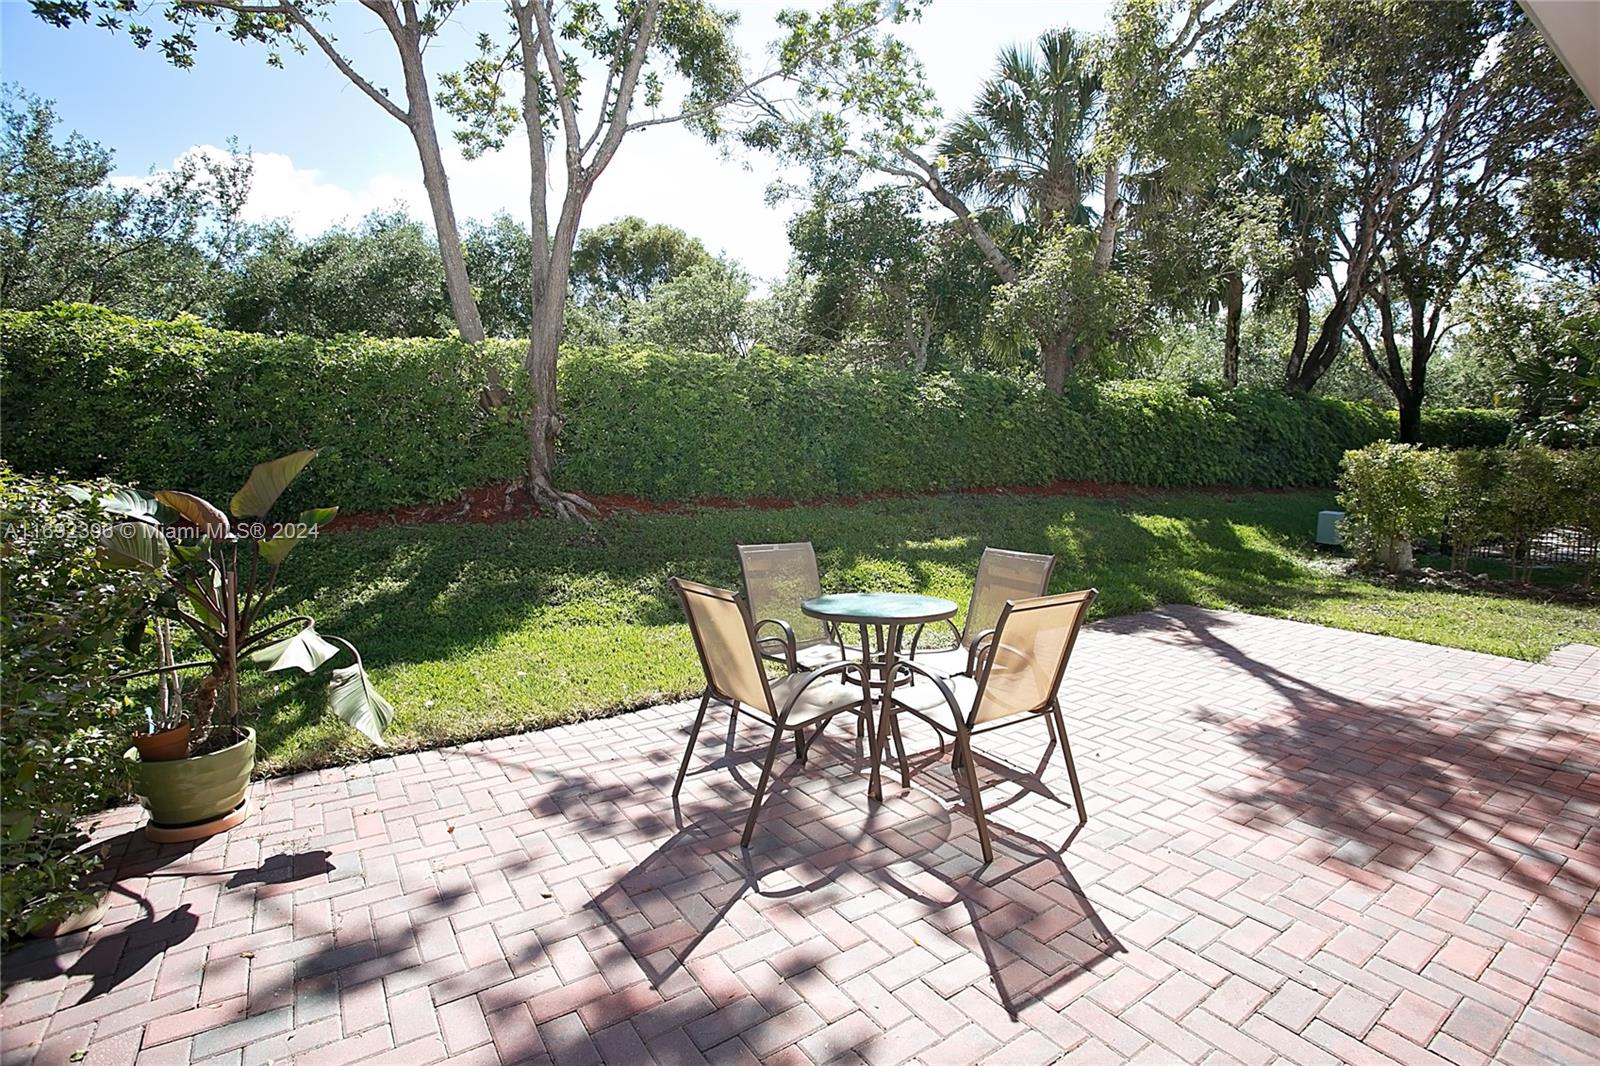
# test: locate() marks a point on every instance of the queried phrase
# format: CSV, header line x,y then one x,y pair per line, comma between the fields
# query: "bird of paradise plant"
x,y
216,571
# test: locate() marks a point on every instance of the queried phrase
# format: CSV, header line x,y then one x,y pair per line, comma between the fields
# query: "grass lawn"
x,y
479,630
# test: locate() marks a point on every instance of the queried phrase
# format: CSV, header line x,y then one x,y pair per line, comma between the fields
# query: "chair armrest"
x,y
916,635
979,651
791,653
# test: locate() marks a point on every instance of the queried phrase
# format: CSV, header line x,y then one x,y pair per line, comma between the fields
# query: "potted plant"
x,y
217,570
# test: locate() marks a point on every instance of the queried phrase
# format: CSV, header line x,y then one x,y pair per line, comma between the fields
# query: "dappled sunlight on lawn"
x,y
479,630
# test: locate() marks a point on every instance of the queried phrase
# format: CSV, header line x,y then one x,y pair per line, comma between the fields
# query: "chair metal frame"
x,y
773,716
976,643
967,725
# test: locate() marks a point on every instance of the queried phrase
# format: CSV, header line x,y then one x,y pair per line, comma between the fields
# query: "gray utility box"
x,y
1328,529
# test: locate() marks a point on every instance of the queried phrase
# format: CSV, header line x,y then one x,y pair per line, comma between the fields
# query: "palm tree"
x,y
1023,144
1022,152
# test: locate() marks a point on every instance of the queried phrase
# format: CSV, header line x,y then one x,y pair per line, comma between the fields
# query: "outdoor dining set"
x,y
1005,667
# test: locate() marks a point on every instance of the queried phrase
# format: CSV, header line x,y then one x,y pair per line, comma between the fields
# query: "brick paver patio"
x,y
1304,844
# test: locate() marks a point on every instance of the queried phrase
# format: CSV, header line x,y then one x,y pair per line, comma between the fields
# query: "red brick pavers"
x,y
1305,845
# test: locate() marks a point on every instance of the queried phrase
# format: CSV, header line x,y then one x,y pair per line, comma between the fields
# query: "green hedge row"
x,y
90,392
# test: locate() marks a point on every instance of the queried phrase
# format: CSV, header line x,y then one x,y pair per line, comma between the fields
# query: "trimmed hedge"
x,y
90,392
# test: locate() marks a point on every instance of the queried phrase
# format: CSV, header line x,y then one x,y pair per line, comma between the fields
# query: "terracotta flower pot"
x,y
197,797
164,746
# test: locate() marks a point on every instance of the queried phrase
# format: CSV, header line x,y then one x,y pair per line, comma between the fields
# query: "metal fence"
x,y
1554,546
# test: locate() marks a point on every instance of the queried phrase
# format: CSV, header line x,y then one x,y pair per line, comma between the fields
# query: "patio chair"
x,y
1002,576
778,578
725,637
1016,681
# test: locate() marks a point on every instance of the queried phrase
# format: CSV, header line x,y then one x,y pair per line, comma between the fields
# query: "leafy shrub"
x,y
1579,479
1394,492
1470,484
1557,385
1529,499
1391,493
61,617
93,393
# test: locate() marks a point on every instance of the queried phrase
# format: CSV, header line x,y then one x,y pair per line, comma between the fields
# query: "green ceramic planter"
x,y
191,792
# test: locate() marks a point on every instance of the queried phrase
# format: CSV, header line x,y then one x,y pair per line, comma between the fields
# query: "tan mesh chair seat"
x,y
1017,681
927,701
730,654
1003,576
810,697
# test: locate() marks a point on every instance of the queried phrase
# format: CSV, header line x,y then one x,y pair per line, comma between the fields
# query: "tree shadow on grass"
x,y
414,594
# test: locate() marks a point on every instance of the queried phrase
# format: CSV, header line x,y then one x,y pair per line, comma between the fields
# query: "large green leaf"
x,y
276,550
266,483
133,545
305,650
352,697
202,513
129,503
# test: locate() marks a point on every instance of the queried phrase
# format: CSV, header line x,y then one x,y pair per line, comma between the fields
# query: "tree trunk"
x,y
1110,216
426,135
1233,303
1057,356
548,299
1306,370
544,418
1411,417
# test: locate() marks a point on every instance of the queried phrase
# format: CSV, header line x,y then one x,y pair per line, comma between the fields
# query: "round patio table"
x,y
886,614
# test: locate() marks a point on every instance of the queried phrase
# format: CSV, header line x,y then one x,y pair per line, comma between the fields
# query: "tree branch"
x,y
301,19
625,87
558,79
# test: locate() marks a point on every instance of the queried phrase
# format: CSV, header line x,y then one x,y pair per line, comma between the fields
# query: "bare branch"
x,y
630,79
558,79
533,121
302,20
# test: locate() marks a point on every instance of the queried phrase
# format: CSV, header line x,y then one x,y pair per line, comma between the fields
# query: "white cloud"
x,y
664,175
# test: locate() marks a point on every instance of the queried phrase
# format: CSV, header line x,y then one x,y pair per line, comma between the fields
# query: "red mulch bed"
x,y
508,501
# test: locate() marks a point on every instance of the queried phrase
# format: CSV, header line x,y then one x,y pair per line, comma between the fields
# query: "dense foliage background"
x,y
62,620
178,404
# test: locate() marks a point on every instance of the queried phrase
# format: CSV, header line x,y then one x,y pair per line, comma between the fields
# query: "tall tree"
x,y
534,75
276,24
380,277
1487,102
155,247
1034,141
629,257
888,286
549,64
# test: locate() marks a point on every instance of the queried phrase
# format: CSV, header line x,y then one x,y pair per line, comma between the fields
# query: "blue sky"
x,y
325,153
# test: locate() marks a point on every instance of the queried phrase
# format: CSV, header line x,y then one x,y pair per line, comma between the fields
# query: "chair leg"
x,y
1072,769
694,734
955,755
964,744
733,723
1050,725
800,746
761,788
